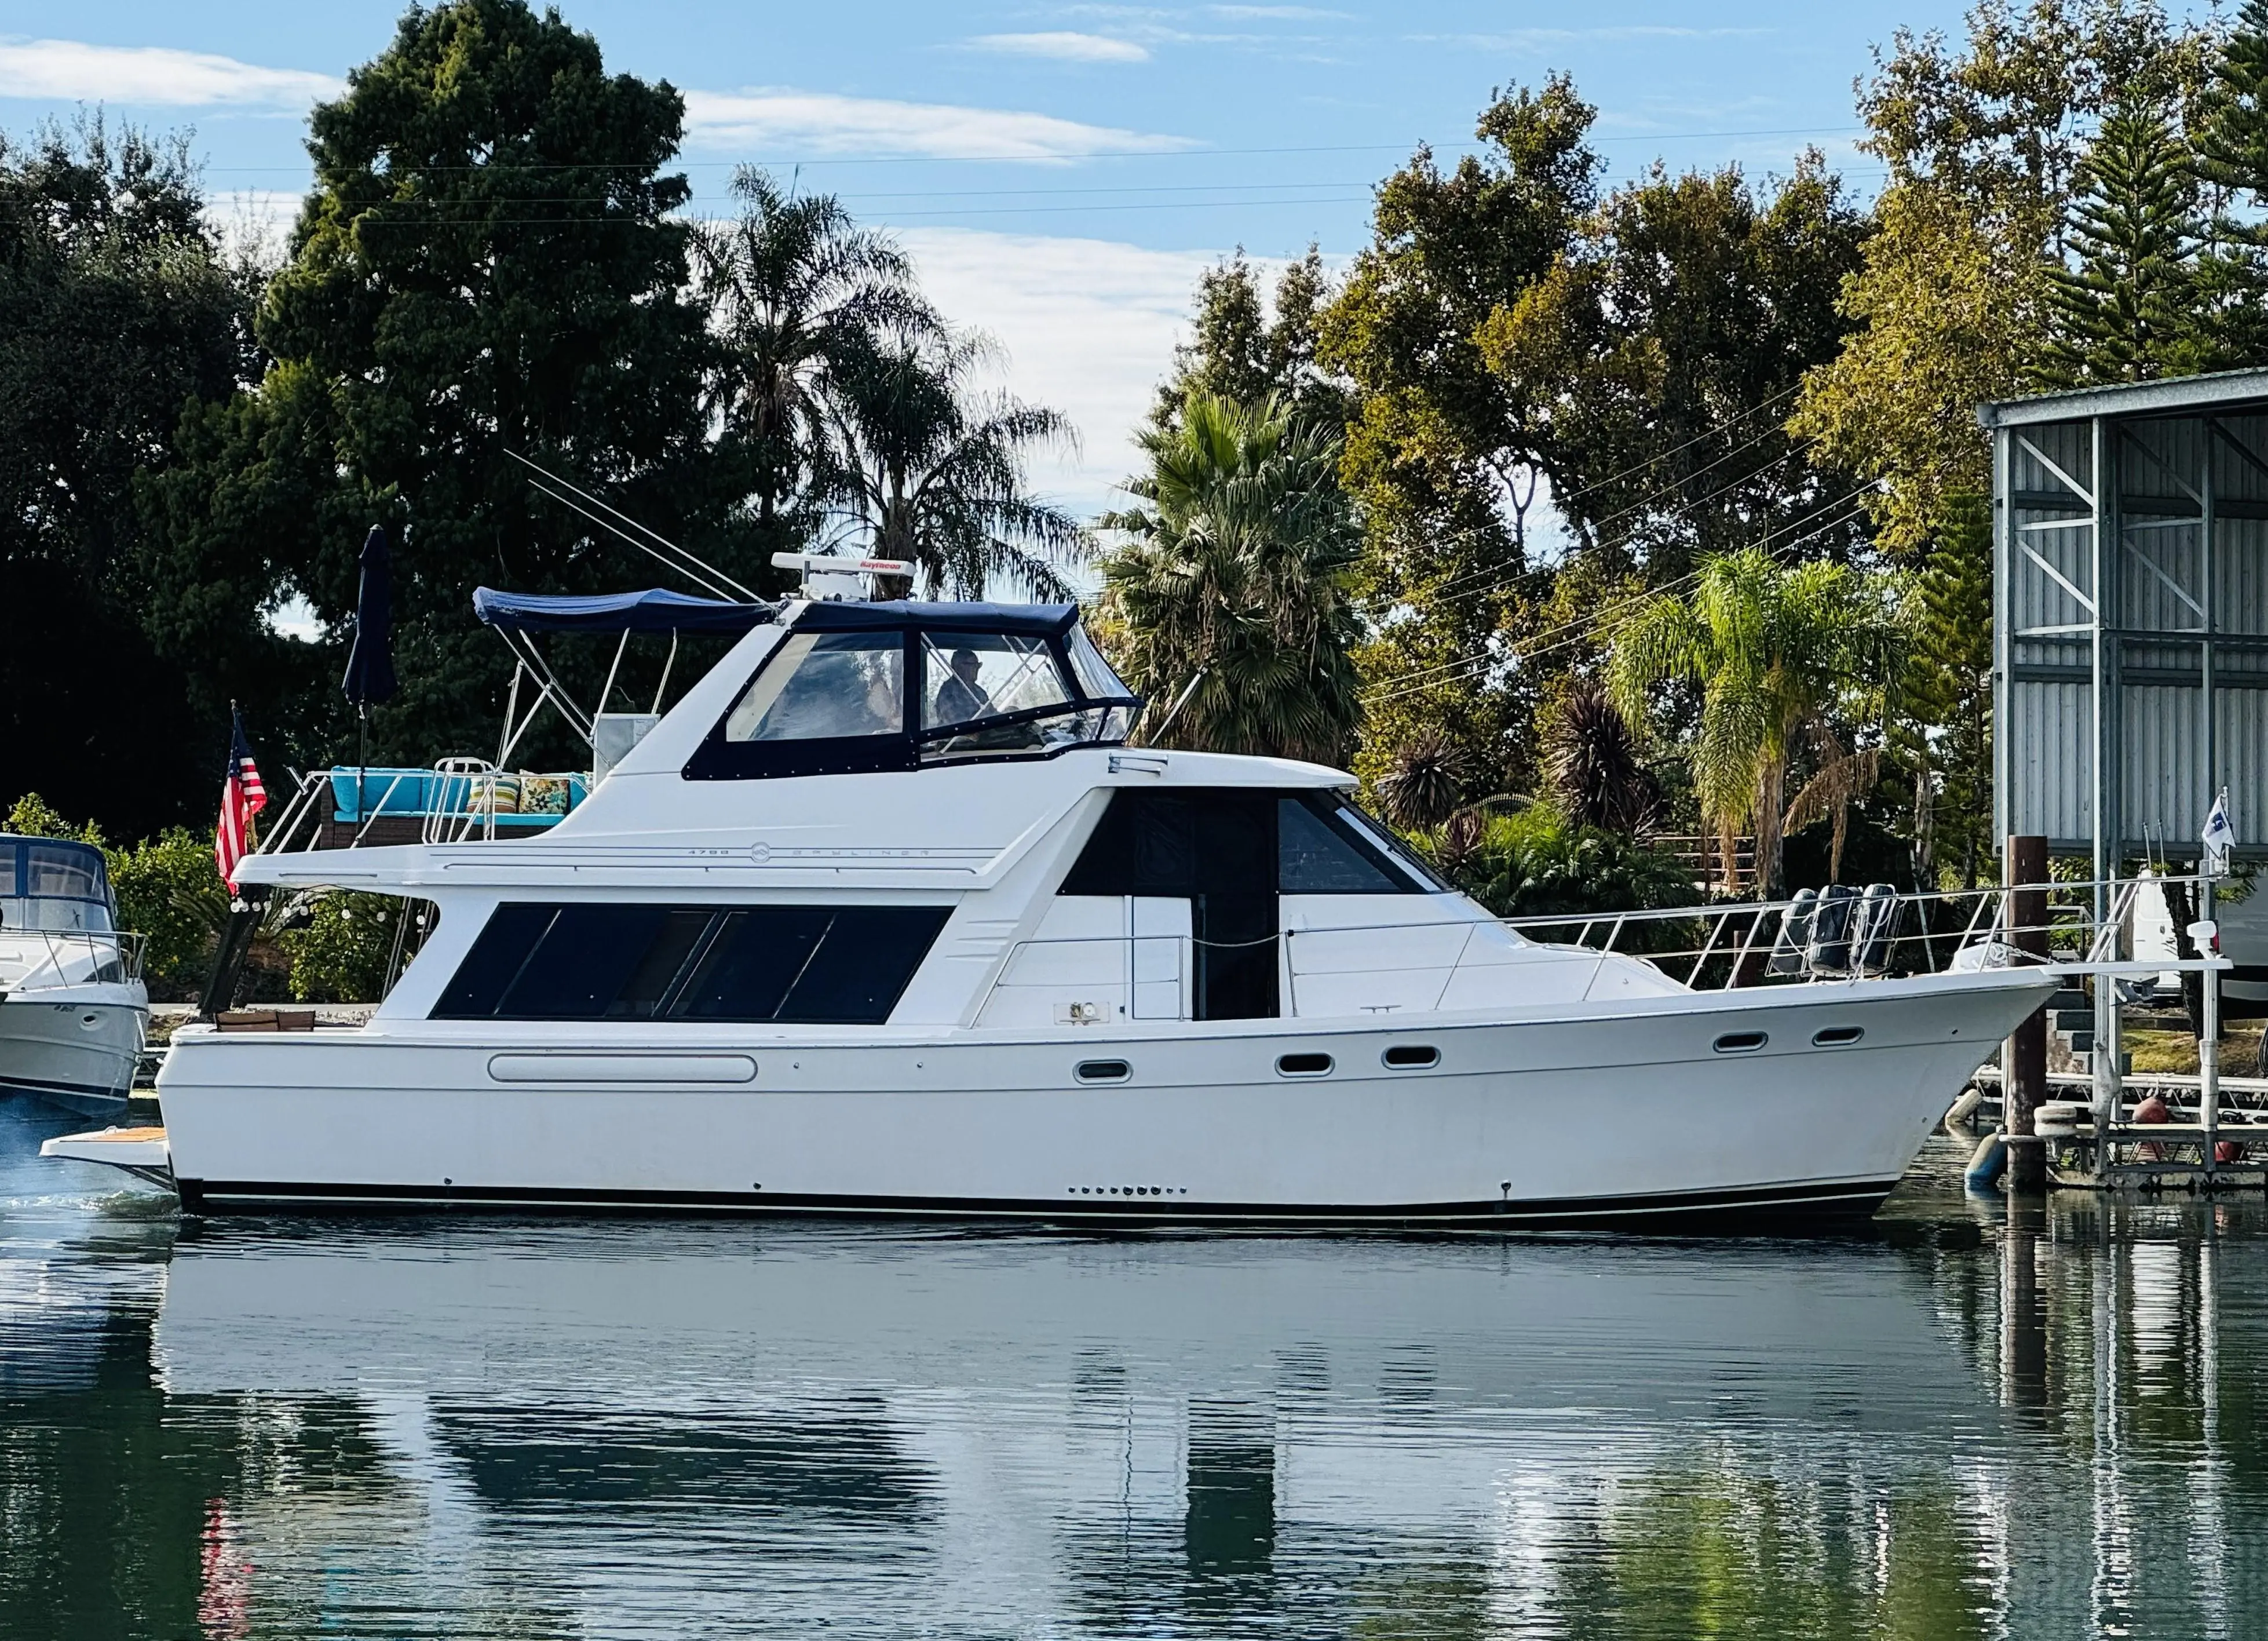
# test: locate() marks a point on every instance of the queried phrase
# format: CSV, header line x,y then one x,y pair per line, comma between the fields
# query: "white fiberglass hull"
x,y
1581,1112
73,1046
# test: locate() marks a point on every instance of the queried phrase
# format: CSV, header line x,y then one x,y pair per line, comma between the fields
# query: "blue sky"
x,y
1061,172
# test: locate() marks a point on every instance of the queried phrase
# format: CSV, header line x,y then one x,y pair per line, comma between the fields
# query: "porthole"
x,y
1741,1042
1102,1071
1304,1066
1411,1056
1837,1036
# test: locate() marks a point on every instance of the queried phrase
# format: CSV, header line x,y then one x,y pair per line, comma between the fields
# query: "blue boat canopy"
x,y
655,610
1046,620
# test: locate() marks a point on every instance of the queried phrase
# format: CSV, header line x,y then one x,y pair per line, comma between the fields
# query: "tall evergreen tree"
x,y
2124,303
490,262
116,305
1241,350
2232,155
1943,732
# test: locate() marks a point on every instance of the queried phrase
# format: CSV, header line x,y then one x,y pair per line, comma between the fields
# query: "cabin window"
x,y
1380,837
825,686
1096,680
999,689
836,966
1313,856
74,874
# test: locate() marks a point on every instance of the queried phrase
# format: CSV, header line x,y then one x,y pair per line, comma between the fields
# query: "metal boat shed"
x,y
2131,615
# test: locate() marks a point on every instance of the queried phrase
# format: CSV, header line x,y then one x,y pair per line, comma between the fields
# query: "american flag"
x,y
241,797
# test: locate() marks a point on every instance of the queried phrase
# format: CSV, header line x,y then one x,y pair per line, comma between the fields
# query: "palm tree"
x,y
1773,651
796,294
931,470
1230,592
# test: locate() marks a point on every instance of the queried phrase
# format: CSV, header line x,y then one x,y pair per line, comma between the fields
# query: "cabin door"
x,y
1158,956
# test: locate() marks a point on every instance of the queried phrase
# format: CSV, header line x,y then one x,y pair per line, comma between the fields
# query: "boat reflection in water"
x,y
412,1427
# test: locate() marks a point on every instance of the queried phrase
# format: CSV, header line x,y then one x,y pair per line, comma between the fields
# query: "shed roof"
x,y
2226,390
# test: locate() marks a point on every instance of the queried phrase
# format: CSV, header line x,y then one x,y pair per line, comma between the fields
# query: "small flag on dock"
x,y
241,797
2220,837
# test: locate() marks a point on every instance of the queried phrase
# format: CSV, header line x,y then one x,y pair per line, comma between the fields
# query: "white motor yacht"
x,y
73,1010
883,916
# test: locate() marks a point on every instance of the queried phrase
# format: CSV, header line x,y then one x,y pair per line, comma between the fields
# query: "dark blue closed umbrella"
x,y
370,663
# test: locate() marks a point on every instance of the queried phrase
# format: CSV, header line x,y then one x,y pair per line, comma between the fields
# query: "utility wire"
x,y
1579,630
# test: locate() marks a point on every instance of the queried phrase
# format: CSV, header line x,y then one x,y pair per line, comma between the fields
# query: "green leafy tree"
x,y
489,264
797,294
931,468
1446,458
1241,350
1230,586
1773,651
1950,304
1668,338
2125,304
116,305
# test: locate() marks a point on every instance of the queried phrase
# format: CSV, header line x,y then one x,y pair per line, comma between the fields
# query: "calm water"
x,y
404,1428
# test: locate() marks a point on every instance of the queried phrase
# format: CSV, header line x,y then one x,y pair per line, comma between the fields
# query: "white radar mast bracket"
x,y
837,576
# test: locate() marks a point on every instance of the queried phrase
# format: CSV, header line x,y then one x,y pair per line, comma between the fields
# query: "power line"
x,y
1028,158
1416,682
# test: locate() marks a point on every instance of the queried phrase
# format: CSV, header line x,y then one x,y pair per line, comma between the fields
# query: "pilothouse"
x,y
885,914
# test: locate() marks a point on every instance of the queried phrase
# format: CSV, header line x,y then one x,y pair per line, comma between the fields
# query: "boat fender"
x,y
2154,1109
1958,1113
1986,1166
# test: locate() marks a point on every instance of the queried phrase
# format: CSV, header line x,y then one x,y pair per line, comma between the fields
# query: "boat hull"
x,y
1623,1114
75,1048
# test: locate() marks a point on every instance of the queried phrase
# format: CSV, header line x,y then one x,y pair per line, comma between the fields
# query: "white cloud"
x,y
72,71
1063,46
823,123
257,221
1087,327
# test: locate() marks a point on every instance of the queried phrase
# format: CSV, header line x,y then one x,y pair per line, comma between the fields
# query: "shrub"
x,y
168,888
340,954
1537,863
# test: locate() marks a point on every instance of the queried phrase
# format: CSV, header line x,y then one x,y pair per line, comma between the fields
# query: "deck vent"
x,y
1102,1071
1741,1042
1304,1066
1411,1056
1837,1036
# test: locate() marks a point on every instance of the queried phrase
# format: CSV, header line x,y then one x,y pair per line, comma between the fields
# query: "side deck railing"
x,y
74,958
1841,935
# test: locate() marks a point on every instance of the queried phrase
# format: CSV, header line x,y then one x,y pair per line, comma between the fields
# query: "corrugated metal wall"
x,y
2044,711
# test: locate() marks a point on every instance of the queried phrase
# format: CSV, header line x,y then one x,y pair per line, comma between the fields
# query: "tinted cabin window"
x,y
790,965
1315,857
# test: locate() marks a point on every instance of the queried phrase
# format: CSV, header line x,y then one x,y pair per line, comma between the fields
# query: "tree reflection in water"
x,y
1975,1422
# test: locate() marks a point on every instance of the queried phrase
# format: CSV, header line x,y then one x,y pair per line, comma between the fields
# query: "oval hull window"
x,y
1837,1036
1411,1056
1102,1071
1740,1042
1303,1066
